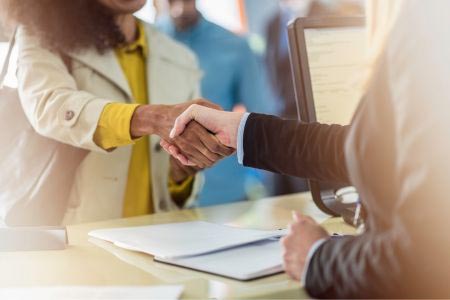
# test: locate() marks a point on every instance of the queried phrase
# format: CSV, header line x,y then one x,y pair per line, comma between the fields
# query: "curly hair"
x,y
66,26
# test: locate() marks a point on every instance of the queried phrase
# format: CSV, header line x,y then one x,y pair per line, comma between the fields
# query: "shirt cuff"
x,y
311,253
240,138
113,129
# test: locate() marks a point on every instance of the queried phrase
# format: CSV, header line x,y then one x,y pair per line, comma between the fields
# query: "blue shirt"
x,y
233,75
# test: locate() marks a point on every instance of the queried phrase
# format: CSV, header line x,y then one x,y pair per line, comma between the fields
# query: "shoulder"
x,y
171,50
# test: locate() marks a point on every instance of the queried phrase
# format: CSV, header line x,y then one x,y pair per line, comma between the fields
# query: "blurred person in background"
x,y
233,78
279,65
93,76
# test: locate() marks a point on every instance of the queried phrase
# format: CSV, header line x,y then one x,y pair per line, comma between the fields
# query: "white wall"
x,y
222,12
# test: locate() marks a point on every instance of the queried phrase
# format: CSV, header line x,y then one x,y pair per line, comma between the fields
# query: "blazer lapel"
x,y
155,76
107,65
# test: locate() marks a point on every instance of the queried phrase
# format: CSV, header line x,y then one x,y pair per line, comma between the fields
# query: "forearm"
x,y
313,151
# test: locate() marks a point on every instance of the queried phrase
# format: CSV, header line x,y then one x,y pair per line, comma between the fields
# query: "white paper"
x,y
182,239
93,293
337,61
242,263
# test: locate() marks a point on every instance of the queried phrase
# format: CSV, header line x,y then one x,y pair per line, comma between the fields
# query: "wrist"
x,y
237,120
149,120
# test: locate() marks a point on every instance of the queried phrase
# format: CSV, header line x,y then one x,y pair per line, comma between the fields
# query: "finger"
x,y
215,146
184,160
201,138
284,243
175,152
182,121
192,153
165,146
295,274
296,216
290,272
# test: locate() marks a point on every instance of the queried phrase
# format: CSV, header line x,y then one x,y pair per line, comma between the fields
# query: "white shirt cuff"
x,y
240,138
311,252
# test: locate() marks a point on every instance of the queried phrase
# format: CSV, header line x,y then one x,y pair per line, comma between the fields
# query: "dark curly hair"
x,y
66,25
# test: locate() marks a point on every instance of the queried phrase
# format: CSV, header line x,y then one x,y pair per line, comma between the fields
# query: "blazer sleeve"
x,y
53,104
355,267
313,151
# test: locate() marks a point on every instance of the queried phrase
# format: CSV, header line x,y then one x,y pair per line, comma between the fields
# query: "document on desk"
x,y
242,254
182,239
246,262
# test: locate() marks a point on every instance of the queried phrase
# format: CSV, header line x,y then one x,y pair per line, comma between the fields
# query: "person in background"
x,y
93,76
279,64
233,78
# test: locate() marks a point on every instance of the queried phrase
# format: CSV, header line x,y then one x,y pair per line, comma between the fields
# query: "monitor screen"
x,y
336,58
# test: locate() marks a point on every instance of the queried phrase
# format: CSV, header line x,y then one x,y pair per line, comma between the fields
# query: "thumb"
x,y
297,216
182,121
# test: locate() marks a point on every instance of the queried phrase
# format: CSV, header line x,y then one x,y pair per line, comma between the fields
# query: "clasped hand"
x,y
196,144
223,125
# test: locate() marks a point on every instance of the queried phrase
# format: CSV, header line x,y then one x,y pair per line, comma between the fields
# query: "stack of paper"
x,y
242,254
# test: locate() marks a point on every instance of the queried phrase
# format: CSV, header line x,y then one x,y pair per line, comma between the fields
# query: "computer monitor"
x,y
328,65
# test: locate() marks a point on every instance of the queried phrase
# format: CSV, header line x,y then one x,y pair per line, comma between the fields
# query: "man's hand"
x,y
303,233
197,145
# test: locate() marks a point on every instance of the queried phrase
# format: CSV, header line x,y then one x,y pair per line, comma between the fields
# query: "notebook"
x,y
237,253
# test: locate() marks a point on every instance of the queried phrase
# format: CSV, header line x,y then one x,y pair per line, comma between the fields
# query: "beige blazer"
x,y
66,106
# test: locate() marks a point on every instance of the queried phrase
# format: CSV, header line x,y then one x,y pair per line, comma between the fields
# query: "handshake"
x,y
197,134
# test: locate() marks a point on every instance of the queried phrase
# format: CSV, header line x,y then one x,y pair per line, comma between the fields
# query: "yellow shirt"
x,y
114,131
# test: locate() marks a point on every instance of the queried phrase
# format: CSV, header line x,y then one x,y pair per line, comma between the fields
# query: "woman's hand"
x,y
223,124
303,234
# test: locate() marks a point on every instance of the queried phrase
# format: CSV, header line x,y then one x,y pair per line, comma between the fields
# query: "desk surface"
x,y
89,262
